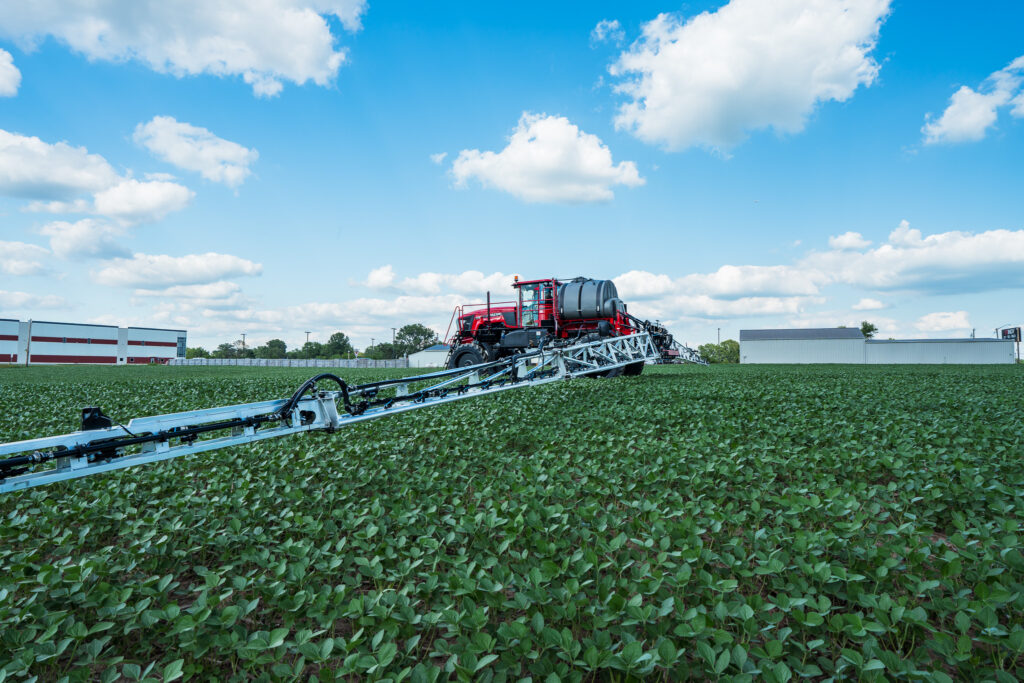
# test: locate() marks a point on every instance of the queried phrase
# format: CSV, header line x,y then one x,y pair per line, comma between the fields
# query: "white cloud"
x,y
55,175
380,278
971,113
608,30
196,149
21,258
706,306
186,299
749,65
159,271
266,42
967,118
952,261
24,301
728,282
639,284
220,289
1018,106
134,201
85,238
10,77
438,158
129,201
868,304
35,169
848,240
470,282
548,159
730,291
943,322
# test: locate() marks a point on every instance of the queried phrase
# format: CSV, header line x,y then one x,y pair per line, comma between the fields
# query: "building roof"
x,y
806,333
437,347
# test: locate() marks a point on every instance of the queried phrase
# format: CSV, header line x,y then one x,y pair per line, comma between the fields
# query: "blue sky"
x,y
730,165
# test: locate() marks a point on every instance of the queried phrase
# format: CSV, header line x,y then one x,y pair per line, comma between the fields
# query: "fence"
x,y
295,362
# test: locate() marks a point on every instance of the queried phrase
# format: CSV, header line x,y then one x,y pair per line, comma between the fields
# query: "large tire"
x,y
465,355
633,369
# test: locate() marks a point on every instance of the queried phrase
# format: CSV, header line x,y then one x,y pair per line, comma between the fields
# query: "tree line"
x,y
409,339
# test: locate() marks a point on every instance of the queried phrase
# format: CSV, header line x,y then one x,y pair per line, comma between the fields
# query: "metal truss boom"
x,y
101,446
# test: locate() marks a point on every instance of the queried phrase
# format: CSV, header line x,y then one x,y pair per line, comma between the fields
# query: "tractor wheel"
x,y
633,369
465,355
614,372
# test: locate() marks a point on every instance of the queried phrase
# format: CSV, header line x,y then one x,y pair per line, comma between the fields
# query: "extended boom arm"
x,y
100,446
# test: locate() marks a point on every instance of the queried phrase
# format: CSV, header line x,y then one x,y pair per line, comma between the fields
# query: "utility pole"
x,y
719,336
307,336
394,331
243,341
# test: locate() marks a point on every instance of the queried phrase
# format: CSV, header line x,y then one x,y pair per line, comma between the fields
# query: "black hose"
x,y
288,407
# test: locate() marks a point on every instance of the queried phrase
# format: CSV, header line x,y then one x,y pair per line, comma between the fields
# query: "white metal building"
x,y
848,345
36,342
827,345
430,357
939,351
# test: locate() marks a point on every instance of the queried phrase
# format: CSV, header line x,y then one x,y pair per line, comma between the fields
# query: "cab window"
x,y
531,304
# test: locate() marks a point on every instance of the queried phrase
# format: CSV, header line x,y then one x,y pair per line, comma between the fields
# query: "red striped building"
x,y
38,342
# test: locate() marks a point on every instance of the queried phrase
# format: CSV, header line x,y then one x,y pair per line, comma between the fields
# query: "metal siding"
x,y
8,341
159,344
428,358
966,352
802,351
78,350
148,335
73,330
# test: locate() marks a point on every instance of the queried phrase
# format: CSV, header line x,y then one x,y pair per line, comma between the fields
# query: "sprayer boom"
x,y
102,446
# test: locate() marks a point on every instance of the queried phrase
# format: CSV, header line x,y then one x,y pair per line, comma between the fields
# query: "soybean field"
x,y
736,523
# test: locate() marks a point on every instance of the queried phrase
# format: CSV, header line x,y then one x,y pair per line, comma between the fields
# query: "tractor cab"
x,y
536,303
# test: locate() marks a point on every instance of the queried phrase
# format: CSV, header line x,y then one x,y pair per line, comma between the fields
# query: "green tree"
x,y
709,352
196,352
868,329
338,346
726,352
225,350
730,351
414,337
310,349
381,351
275,348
